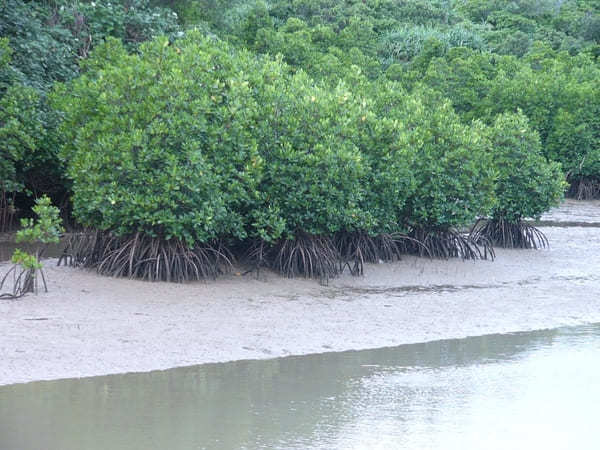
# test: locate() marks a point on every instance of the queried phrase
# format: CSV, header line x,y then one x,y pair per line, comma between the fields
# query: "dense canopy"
x,y
297,127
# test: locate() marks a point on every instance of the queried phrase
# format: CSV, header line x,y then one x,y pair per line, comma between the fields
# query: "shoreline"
x,y
88,325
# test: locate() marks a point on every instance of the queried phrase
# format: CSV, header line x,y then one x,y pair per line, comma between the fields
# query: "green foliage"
x,y
408,42
575,140
385,14
316,117
557,92
43,51
462,76
221,15
46,229
233,145
313,169
5,53
527,184
389,181
509,42
454,175
254,149
20,130
26,260
131,21
28,146
319,51
43,43
560,96
176,115
257,18
49,38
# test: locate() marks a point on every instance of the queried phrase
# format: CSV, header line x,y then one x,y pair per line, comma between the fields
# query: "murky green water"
x,y
527,390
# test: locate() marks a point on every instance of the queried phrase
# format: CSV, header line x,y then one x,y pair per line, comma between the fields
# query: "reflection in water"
x,y
499,391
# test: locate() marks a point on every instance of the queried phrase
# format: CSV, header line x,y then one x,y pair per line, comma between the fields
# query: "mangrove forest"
x,y
309,137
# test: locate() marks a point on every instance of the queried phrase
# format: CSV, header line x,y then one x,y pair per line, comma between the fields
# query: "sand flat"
x,y
90,325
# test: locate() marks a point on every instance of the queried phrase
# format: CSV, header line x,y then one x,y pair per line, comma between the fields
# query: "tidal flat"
x,y
89,325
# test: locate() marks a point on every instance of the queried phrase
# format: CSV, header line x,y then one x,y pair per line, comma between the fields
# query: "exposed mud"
x,y
90,325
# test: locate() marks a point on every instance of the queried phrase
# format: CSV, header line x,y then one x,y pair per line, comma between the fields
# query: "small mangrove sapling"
x,y
27,268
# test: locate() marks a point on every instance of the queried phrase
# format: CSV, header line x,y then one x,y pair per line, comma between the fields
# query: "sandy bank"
x,y
89,325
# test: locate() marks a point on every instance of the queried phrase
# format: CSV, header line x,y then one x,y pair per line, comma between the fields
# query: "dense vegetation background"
x,y
280,121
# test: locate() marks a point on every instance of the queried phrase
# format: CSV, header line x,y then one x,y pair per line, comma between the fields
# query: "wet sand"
x,y
90,325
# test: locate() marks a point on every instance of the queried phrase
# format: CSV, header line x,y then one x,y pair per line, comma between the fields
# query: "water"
x,y
526,390
8,246
574,212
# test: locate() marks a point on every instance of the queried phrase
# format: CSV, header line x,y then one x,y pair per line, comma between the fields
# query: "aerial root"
x,y
23,282
447,244
358,247
306,255
146,258
256,255
503,233
584,189
310,256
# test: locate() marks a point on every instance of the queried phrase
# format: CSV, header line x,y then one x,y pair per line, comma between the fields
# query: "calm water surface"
x,y
574,212
8,246
527,390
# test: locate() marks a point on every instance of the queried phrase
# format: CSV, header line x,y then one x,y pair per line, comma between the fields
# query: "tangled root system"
x,y
447,244
584,189
306,255
146,258
256,254
23,282
503,233
84,249
357,248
